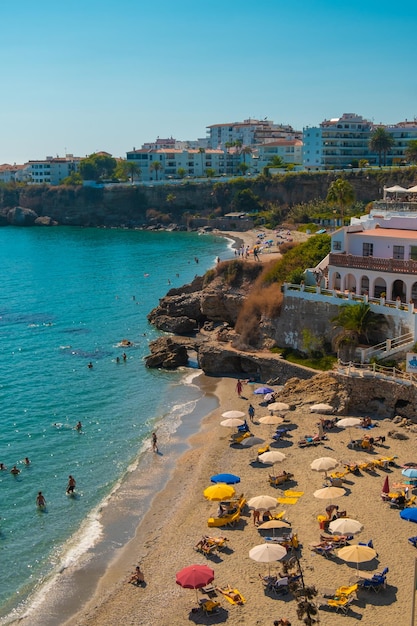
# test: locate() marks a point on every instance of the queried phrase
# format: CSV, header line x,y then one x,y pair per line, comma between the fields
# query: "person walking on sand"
x,y
251,412
154,442
256,517
239,388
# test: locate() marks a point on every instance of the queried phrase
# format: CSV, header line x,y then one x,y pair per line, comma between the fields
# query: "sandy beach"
x,y
165,540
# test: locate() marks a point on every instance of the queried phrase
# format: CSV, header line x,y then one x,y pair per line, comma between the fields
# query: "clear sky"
x,y
88,75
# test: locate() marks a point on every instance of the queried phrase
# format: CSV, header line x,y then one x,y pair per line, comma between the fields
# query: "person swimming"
x,y
40,500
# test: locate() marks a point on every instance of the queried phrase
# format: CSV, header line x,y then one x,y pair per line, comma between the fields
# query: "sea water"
x,y
68,297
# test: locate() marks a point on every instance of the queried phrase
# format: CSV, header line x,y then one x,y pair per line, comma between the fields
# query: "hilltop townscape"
x,y
237,148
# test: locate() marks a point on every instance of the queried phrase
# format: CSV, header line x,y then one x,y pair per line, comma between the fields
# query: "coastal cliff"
x,y
187,202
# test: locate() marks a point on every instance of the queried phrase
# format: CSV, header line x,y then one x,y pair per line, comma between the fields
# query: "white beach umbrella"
x,y
329,493
252,441
232,422
274,523
273,420
267,553
321,408
271,457
262,503
344,526
348,422
278,406
324,464
227,414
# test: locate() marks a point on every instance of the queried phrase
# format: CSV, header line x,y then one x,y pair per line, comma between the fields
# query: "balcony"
x,y
369,263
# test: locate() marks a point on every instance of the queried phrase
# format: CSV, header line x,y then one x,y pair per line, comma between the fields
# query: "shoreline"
x,y
165,540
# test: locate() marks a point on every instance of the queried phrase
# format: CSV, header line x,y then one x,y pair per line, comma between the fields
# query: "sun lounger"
x,y
227,520
232,595
326,550
342,604
209,606
275,481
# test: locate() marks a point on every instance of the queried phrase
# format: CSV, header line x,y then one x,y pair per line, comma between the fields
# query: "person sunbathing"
x,y
230,593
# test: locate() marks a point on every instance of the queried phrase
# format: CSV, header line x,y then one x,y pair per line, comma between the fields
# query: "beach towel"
x,y
225,592
293,494
287,500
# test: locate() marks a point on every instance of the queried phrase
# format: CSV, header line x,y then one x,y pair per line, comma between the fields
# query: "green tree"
x,y
155,166
74,178
246,150
342,193
127,170
356,322
276,161
245,200
381,141
411,151
181,172
210,172
97,166
243,168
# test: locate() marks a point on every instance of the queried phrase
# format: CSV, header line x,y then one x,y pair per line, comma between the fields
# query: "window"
x,y
367,249
413,253
337,245
398,252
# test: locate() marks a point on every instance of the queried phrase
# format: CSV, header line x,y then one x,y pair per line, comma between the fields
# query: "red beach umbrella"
x,y
385,487
194,576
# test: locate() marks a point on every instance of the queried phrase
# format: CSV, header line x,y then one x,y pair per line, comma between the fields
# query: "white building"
x,y
249,133
402,133
312,148
193,162
52,170
290,151
13,173
376,254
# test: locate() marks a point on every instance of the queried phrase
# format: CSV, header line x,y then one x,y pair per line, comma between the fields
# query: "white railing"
x,y
388,347
366,370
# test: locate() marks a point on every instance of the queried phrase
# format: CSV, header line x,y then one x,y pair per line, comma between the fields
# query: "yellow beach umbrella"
x,y
219,492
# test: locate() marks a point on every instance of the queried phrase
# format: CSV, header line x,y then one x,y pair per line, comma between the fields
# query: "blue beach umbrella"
x,y
263,390
411,472
229,479
409,514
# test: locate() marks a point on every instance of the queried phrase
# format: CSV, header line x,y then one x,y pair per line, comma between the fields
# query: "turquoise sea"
x,y
68,296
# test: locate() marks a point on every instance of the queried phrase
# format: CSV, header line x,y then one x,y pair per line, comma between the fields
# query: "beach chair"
x,y
410,502
210,606
275,481
376,583
346,591
341,604
326,550
239,437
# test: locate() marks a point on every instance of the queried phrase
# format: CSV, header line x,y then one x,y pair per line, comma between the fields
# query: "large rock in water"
x,y
166,353
19,216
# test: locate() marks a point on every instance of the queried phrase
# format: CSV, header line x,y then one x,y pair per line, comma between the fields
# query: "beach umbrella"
x,y
194,577
267,553
273,524
232,422
410,472
385,486
329,493
228,479
271,457
262,391
357,554
273,420
219,492
324,464
262,503
268,397
409,514
321,408
278,406
348,422
345,526
232,414
252,441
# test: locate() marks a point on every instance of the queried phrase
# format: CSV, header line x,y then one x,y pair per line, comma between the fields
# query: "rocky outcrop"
x,y
215,298
45,221
19,216
168,353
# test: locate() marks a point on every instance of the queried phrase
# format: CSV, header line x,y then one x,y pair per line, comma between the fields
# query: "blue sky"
x,y
82,76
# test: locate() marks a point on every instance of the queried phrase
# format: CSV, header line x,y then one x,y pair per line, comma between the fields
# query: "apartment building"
x,y
290,151
52,170
250,132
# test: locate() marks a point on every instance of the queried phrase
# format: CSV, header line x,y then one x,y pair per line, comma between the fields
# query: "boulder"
x,y
181,325
19,216
166,352
45,220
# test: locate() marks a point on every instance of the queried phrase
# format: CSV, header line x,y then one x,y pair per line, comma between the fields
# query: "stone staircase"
x,y
388,348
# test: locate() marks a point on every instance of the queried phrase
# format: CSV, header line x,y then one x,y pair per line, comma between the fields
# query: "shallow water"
x,y
68,297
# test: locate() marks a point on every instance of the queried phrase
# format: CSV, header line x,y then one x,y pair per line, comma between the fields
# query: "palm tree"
x,y
246,150
411,151
202,151
381,141
356,322
155,167
342,193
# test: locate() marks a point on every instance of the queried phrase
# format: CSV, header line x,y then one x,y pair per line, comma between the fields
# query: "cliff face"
x,y
128,205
